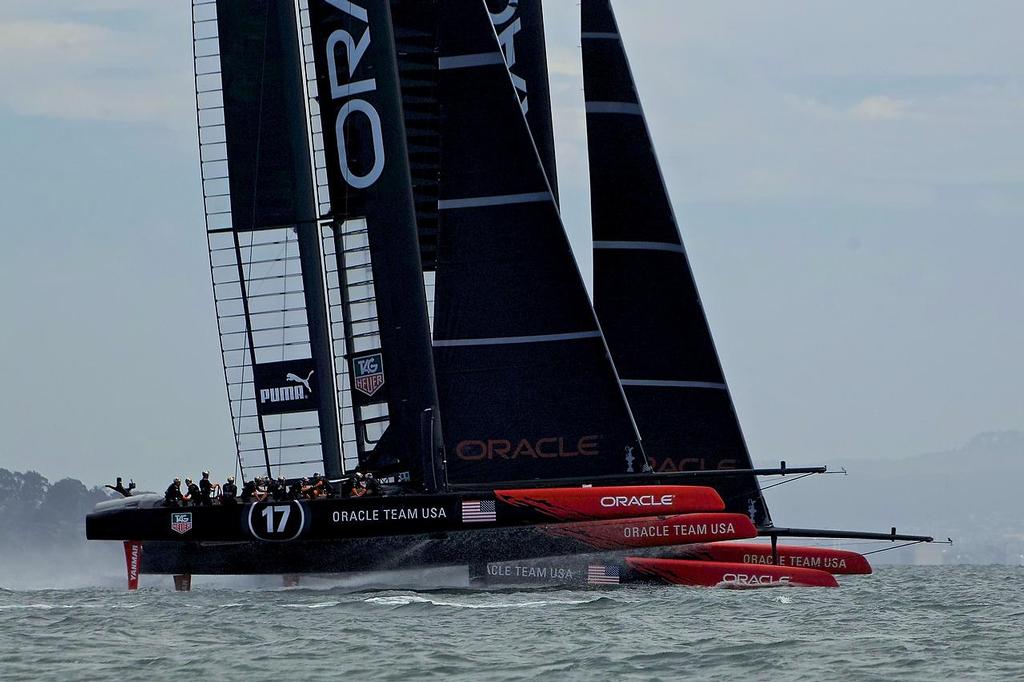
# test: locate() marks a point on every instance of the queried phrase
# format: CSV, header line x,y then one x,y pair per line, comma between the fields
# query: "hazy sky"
x,y
849,178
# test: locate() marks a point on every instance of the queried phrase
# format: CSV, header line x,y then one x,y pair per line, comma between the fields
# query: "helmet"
x,y
231,479
206,473
188,480
177,480
358,475
369,476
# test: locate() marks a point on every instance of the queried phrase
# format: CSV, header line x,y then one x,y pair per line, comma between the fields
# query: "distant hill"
x,y
972,494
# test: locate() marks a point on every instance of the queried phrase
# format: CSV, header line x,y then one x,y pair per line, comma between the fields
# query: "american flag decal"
x,y
479,511
602,575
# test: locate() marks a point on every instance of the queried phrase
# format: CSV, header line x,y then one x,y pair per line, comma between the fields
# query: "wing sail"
x,y
262,234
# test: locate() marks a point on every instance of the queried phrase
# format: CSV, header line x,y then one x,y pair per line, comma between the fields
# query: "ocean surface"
x,y
905,623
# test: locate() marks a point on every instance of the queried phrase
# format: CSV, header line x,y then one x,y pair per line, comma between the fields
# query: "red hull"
x,y
656,531
721,574
614,502
835,561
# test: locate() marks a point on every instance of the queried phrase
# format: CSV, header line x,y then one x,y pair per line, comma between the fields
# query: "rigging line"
x,y
785,481
889,549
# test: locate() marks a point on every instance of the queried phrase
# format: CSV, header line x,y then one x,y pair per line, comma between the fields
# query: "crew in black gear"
x,y
248,491
295,490
281,492
229,491
193,492
372,485
206,490
173,496
119,487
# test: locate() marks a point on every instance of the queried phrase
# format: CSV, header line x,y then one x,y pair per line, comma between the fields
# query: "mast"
x,y
526,386
368,207
261,226
644,290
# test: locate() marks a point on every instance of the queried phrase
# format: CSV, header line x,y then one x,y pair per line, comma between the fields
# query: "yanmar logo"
x,y
552,447
637,501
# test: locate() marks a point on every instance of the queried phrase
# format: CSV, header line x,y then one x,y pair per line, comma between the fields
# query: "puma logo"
x,y
299,380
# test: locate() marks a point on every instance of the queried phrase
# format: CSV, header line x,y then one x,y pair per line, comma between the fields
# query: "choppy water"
x,y
953,623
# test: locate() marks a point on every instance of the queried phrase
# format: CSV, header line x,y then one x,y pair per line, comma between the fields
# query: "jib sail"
x,y
527,390
644,290
262,233
375,281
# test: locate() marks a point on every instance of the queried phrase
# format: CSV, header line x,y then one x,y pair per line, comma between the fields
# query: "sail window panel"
x,y
210,100
214,170
216,187
216,205
206,11
275,302
281,352
211,117
284,336
213,152
208,83
227,293
205,65
205,32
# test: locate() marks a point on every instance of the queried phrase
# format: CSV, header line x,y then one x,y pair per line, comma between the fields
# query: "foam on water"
x,y
901,623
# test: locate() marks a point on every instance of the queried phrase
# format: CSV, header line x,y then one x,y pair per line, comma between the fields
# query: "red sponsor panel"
x,y
614,502
656,531
836,561
733,575
133,562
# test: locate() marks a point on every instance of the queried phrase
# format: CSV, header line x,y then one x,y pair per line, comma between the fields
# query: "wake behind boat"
x,y
396,295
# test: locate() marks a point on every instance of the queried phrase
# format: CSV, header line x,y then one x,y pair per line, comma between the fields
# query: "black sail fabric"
x,y
368,178
526,386
644,290
520,28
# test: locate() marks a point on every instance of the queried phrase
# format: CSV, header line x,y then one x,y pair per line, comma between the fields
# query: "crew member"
x,y
193,492
206,490
173,496
295,490
358,485
372,485
119,487
229,491
248,491
281,491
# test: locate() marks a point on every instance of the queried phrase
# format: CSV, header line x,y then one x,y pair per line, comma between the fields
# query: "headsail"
x,y
261,227
526,386
382,335
644,290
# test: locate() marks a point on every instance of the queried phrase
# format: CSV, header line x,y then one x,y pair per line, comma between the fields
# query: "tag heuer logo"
x,y
368,373
181,523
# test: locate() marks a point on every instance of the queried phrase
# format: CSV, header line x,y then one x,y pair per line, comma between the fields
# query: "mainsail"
x,y
526,387
644,290
262,233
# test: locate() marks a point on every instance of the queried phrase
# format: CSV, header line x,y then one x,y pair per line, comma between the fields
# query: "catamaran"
x,y
396,294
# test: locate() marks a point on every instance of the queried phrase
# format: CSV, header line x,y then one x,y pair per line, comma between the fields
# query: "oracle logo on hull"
x,y
637,501
744,580
553,447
